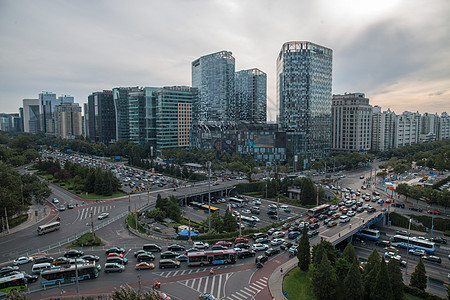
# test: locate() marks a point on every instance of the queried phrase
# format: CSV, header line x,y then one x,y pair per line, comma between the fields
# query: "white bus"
x,y
412,243
43,229
370,234
237,201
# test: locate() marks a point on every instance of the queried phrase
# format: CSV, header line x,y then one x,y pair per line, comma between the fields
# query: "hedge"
x,y
440,224
421,294
402,221
17,220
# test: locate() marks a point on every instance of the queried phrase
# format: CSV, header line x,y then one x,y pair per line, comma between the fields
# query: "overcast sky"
x,y
396,52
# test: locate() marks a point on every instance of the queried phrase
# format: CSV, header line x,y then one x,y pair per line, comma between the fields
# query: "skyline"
x,y
381,48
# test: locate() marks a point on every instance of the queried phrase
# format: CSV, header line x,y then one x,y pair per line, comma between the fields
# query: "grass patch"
x,y
95,196
411,297
17,220
86,240
297,285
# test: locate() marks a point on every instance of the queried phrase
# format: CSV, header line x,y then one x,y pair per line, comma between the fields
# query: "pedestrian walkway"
x,y
32,218
85,213
276,279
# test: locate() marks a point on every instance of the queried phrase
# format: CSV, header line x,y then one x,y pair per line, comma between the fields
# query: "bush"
x,y
419,293
402,221
18,220
447,233
86,240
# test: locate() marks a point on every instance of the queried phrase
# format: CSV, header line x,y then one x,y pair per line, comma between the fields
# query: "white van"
x,y
38,268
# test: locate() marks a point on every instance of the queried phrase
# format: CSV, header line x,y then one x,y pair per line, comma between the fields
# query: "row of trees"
x,y
219,224
432,196
91,180
166,208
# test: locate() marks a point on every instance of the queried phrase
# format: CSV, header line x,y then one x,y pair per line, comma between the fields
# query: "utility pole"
x,y
136,216
92,225
209,195
129,204
139,285
6,218
148,197
278,209
76,276
240,224
21,192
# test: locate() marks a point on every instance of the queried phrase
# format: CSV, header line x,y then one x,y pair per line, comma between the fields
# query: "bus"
x,y
318,210
43,229
412,243
204,207
211,257
237,201
248,220
12,282
370,234
68,274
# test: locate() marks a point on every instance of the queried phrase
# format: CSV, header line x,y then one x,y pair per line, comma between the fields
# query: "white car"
x,y
255,218
276,242
278,234
260,247
418,252
201,245
272,206
103,216
284,207
246,211
351,213
55,200
22,260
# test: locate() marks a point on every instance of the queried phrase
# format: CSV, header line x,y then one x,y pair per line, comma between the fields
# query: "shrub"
x,y
18,220
86,240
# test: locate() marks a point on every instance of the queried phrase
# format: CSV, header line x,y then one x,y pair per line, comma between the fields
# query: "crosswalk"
x,y
249,292
177,272
85,213
213,285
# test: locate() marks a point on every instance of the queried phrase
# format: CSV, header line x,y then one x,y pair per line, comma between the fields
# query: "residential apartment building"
x,y
214,77
304,78
406,129
444,127
351,122
251,95
383,124
67,118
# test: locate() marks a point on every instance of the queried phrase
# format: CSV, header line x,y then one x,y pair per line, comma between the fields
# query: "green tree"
x,y
229,222
419,276
322,248
17,295
382,289
308,192
128,293
172,209
349,253
370,274
324,280
160,202
90,181
216,222
396,278
352,283
303,252
342,266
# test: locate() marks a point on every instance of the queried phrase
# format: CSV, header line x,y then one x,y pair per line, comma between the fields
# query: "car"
x,y
241,240
383,243
176,247
439,240
242,246
73,253
144,266
243,253
152,248
168,263
70,206
262,240
415,209
399,205
103,216
284,207
113,267
91,258
30,278
115,250
271,231
278,234
160,295
113,254
246,211
273,206
331,224
255,218
286,226
434,212
218,247
258,235
293,250
312,233
43,259
391,249
61,261
55,200
116,259
351,213
260,247
344,219
61,208
276,242
22,260
417,252
260,259
140,252
224,243
314,226
201,245
294,234
181,257
432,258
8,269
272,251
169,254
145,257
286,245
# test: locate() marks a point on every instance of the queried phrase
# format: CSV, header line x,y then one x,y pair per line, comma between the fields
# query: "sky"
x,y
396,52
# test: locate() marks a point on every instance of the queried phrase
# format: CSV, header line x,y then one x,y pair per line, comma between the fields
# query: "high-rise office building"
x,y
67,120
251,95
47,102
213,76
351,122
101,117
121,97
304,77
136,116
31,115
66,99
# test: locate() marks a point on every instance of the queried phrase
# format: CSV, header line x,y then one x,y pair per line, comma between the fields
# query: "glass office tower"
x,y
213,76
251,95
101,117
304,76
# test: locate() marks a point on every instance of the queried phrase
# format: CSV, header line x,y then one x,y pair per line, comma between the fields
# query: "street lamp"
x,y
208,164
407,247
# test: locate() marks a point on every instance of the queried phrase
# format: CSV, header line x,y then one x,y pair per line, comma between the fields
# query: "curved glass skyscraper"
x,y
304,73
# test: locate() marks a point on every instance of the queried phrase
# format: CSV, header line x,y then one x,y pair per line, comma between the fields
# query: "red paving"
x,y
266,271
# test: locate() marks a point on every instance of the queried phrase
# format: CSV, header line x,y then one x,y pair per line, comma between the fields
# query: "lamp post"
x,y
407,247
208,164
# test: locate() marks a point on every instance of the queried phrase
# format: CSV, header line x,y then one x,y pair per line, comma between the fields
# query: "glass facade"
x,y
102,117
213,76
251,95
304,78
47,102
122,110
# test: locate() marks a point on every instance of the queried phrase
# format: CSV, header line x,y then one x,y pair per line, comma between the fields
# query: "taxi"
x,y
145,266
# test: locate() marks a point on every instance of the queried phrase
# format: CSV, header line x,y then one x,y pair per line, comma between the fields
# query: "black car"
x,y
314,226
383,243
140,252
146,257
73,253
262,240
115,250
439,240
218,247
31,278
286,245
242,246
415,209
272,251
192,250
261,259
176,247
273,217
245,253
312,233
169,254
168,263
43,259
90,258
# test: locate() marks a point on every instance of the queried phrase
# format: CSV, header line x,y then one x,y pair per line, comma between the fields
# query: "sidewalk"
x,y
32,219
276,279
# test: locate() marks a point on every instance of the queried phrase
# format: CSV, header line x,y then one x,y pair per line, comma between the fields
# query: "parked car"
x,y
22,260
145,257
242,246
113,267
181,257
240,240
224,243
276,242
261,259
91,258
278,234
168,263
144,266
169,254
43,259
201,245
286,245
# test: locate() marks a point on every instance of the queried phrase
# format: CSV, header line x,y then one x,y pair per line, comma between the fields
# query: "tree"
x,y
308,192
395,275
419,276
229,222
303,252
322,248
324,280
370,274
382,289
172,209
352,283
349,253
128,293
17,295
159,202
216,222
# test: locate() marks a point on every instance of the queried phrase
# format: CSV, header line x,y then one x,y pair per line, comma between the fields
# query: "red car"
x,y
224,243
434,212
240,240
115,255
